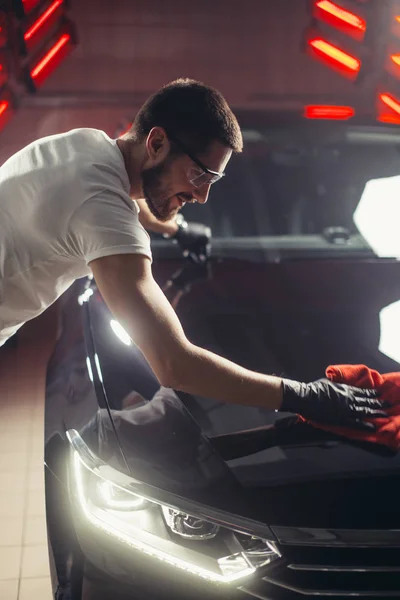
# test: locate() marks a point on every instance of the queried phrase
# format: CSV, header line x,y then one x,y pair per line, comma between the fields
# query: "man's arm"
x,y
127,286
150,223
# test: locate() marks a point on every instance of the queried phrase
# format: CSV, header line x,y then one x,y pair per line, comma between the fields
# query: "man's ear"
x,y
157,144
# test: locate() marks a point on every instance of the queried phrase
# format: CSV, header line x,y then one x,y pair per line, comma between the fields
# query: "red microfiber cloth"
x,y
388,429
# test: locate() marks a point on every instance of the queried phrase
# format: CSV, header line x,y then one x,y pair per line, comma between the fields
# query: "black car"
x,y
153,493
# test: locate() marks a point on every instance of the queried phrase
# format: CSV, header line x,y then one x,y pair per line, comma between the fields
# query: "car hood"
x,y
292,319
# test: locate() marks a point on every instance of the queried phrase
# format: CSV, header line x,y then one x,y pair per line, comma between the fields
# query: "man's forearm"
x,y
204,373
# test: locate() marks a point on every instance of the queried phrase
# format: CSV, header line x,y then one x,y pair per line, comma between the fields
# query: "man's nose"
x,y
201,194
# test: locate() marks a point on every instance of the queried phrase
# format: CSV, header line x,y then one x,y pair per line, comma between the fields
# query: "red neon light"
x,y
390,102
126,130
343,15
389,119
336,55
42,19
3,107
64,39
328,112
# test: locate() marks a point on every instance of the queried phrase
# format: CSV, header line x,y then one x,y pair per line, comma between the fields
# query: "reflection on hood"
x,y
162,444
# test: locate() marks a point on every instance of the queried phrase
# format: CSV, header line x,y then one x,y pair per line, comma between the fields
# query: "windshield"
x,y
301,183
282,197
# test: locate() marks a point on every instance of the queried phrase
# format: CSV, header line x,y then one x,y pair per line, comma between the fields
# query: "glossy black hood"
x,y
292,319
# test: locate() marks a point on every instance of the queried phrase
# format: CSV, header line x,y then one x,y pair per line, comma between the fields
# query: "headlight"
x,y
162,528
187,526
114,497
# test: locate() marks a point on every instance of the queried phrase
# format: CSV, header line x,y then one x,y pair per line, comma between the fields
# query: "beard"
x,y
156,193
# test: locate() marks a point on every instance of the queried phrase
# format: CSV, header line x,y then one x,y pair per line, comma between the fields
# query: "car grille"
x,y
334,563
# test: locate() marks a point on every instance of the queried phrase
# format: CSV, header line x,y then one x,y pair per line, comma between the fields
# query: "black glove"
x,y
192,272
333,404
194,240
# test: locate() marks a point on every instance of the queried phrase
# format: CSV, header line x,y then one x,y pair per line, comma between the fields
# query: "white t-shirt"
x,y
64,201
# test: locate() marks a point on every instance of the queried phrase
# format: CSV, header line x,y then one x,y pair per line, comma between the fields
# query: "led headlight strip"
x,y
130,528
109,527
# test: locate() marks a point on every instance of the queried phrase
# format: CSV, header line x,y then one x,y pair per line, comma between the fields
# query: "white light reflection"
x,y
100,374
85,296
389,342
89,368
120,332
377,216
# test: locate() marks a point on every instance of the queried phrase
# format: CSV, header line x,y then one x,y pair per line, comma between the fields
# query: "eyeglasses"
x,y
197,177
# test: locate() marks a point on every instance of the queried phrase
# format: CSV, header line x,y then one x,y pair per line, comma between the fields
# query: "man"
x,y
66,210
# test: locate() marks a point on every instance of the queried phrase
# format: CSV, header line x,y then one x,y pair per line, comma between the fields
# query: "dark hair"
x,y
193,112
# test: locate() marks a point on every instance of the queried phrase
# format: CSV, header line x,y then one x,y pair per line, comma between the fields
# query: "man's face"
x,y
166,185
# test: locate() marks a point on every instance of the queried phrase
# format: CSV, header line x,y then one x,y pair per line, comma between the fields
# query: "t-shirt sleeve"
x,y
104,225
